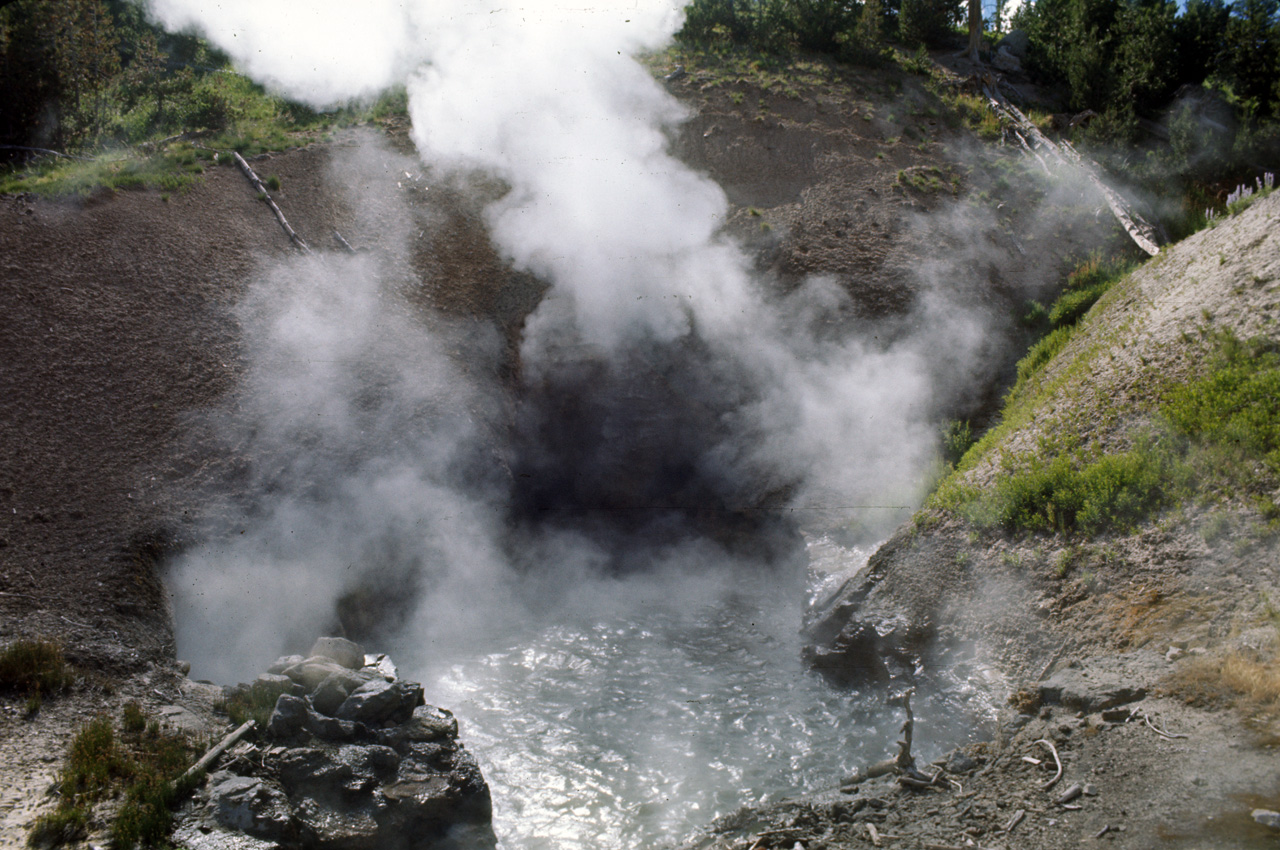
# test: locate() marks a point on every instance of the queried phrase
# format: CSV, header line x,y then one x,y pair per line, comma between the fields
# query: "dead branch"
x,y
1047,785
905,760
220,748
901,763
1014,821
266,197
1163,734
1105,829
875,836
346,246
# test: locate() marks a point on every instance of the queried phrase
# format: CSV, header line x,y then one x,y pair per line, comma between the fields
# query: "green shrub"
x,y
1070,493
134,720
1231,413
63,825
957,438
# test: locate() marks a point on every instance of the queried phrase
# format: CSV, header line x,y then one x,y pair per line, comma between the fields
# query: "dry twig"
x,y
1054,781
1163,734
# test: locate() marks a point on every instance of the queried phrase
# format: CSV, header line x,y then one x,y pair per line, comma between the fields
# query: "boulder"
x,y
284,662
426,724
1006,61
1015,42
293,717
288,719
274,684
334,690
310,672
379,701
250,805
1088,692
341,650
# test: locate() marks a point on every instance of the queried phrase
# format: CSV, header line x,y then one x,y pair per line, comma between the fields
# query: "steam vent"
x,y
351,758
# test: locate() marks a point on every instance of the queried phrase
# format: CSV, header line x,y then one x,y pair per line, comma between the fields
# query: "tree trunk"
x,y
975,29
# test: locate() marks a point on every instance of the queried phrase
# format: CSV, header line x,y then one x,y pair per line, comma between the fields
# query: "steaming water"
x,y
637,726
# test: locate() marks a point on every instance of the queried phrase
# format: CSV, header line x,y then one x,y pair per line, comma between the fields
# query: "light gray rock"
x,y
250,805
381,665
1266,817
273,683
1004,60
377,702
284,662
341,650
312,671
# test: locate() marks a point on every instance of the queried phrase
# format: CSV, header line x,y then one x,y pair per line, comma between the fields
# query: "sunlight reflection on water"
x,y
637,730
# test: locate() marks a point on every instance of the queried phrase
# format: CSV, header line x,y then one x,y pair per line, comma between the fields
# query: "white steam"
x,y
548,98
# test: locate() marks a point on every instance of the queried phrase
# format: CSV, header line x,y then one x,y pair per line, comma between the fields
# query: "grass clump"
x,y
141,765
35,668
255,702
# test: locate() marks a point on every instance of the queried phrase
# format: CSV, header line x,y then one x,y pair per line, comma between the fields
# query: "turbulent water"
x,y
684,700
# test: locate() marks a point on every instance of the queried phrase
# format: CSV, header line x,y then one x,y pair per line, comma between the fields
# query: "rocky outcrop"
x,y
351,759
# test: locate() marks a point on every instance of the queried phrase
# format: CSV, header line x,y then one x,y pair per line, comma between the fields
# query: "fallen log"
x,y
221,747
266,197
1139,229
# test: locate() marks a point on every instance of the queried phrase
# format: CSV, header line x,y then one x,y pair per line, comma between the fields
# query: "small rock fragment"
x,y
1267,818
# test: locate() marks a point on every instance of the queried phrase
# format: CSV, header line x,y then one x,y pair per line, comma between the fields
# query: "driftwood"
x,y
1046,786
1138,228
220,748
1014,821
266,197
